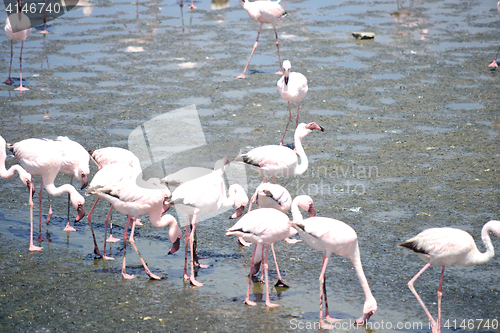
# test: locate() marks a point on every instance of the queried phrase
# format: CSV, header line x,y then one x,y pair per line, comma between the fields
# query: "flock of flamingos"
x,y
119,182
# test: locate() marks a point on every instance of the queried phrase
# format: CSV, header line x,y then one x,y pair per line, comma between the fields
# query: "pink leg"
x,y
44,31
288,123
32,247
247,299
191,244
186,241
440,294
266,266
322,294
257,259
274,179
124,274
242,76
280,282
89,218
49,215
40,238
9,80
410,285
111,238
148,272
106,228
280,72
21,88
297,119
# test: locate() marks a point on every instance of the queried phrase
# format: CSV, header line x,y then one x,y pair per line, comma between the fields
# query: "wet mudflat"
x,y
411,142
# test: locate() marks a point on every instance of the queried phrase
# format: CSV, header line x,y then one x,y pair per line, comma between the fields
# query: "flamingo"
x,y
262,226
494,63
332,236
448,246
132,200
25,178
191,6
109,156
201,196
263,11
43,157
293,88
17,27
276,161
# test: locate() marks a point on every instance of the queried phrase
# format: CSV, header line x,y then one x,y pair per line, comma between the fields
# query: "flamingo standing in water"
x,y
191,6
109,156
448,246
293,88
262,226
201,196
132,200
332,236
276,160
263,11
43,157
17,27
494,63
25,178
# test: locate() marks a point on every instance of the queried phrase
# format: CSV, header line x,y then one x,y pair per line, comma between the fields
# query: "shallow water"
x,y
411,142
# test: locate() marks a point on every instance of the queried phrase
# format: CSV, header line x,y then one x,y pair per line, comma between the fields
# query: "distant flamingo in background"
x,y
448,246
278,161
42,157
263,11
332,236
109,156
132,200
17,27
262,226
191,6
201,196
26,178
293,88
494,63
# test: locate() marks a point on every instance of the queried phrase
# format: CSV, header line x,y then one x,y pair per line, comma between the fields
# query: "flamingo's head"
x,y
174,233
85,180
306,203
369,310
237,192
78,203
304,129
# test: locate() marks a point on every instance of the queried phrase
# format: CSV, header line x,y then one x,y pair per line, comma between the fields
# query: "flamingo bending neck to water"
x,y
448,246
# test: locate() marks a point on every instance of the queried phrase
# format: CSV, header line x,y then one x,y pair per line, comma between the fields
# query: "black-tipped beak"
x,y
31,187
364,318
81,212
175,246
311,211
286,79
238,212
85,181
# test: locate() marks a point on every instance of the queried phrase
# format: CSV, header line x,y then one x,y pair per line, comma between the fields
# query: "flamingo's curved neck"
x,y
296,214
56,191
7,174
481,258
304,163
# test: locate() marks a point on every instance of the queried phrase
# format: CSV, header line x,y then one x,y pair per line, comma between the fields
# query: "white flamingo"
x,y
448,246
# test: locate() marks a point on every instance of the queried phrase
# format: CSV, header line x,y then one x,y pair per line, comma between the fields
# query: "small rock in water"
x,y
363,35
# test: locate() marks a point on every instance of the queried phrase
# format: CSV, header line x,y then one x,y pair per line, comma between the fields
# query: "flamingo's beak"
x,y
238,212
31,187
175,246
312,211
364,318
166,206
81,212
314,126
286,80
85,181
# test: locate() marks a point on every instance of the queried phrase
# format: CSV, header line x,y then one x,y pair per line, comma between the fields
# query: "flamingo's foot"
x,y
194,282
69,228
243,242
138,222
292,241
128,276
241,76
154,276
279,72
112,239
44,31
332,320
35,248
107,258
280,283
185,277
326,326
40,238
8,81
21,88
192,7
492,65
249,302
271,305
201,265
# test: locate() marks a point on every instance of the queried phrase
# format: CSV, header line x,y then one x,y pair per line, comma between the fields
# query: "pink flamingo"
x,y
332,236
17,27
262,226
448,246
494,63
277,160
109,156
191,6
201,196
263,11
131,200
25,178
293,88
43,157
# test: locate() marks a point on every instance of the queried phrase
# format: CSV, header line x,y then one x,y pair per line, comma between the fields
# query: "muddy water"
x,y
411,142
